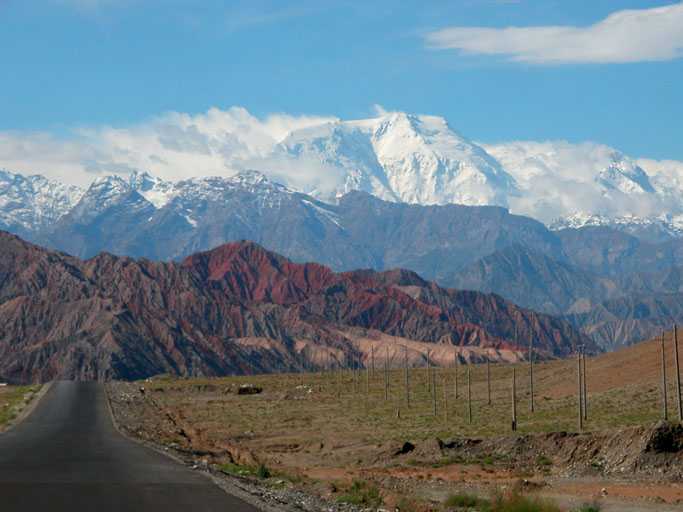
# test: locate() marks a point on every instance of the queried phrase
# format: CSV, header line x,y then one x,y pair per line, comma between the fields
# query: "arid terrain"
x,y
327,434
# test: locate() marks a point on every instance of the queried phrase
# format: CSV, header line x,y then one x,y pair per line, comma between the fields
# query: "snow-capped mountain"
x,y
654,229
30,203
401,157
395,156
564,184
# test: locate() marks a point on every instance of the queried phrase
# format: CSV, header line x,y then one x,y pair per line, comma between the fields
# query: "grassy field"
x,y
334,428
12,399
623,389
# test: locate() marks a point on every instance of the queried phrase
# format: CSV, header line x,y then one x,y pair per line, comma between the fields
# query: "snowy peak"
x,y
29,203
402,157
624,175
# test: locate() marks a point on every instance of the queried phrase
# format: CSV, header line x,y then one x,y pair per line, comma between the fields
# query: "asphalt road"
x,y
67,456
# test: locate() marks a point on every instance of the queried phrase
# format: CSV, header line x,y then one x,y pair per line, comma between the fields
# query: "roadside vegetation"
x,y
12,400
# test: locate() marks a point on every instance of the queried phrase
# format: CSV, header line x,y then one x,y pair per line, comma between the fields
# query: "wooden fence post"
x,y
514,400
678,375
433,384
429,371
665,401
457,364
469,396
445,397
386,375
407,377
578,375
585,385
488,380
531,373
367,379
372,360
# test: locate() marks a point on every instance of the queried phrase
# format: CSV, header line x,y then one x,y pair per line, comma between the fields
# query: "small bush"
x,y
589,507
463,500
236,470
542,460
363,494
519,503
407,505
263,471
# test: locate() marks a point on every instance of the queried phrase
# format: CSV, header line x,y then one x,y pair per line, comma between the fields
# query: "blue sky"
x,y
76,63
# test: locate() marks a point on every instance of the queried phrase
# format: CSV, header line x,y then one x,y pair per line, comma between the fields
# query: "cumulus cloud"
x,y
173,146
624,36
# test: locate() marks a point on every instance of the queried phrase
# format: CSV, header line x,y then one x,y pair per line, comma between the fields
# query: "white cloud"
x,y
624,36
173,146
560,178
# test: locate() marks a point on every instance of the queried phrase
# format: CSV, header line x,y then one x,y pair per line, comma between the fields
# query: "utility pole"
x,y
457,364
580,390
386,375
367,379
445,397
433,383
678,375
407,377
514,401
469,396
665,401
488,379
531,372
429,371
585,386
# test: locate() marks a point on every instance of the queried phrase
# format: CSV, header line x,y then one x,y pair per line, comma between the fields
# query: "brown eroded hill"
x,y
236,309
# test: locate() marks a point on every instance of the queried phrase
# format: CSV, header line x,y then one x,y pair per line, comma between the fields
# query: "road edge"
x,y
26,411
223,482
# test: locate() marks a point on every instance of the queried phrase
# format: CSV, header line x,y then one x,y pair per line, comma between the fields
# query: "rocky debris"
x,y
655,451
249,389
405,448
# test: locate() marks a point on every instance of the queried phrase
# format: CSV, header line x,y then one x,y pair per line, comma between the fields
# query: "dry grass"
x,y
313,408
12,399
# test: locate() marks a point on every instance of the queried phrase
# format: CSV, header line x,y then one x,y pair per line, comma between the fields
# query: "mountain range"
x,y
400,191
573,272
401,157
239,309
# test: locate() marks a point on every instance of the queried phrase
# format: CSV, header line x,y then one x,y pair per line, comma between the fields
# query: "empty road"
x,y
67,456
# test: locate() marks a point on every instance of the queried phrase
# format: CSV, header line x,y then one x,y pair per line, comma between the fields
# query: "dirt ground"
x,y
321,432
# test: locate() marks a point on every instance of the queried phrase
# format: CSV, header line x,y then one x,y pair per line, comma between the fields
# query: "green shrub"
x,y
464,500
542,460
236,470
589,507
362,493
519,503
263,471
